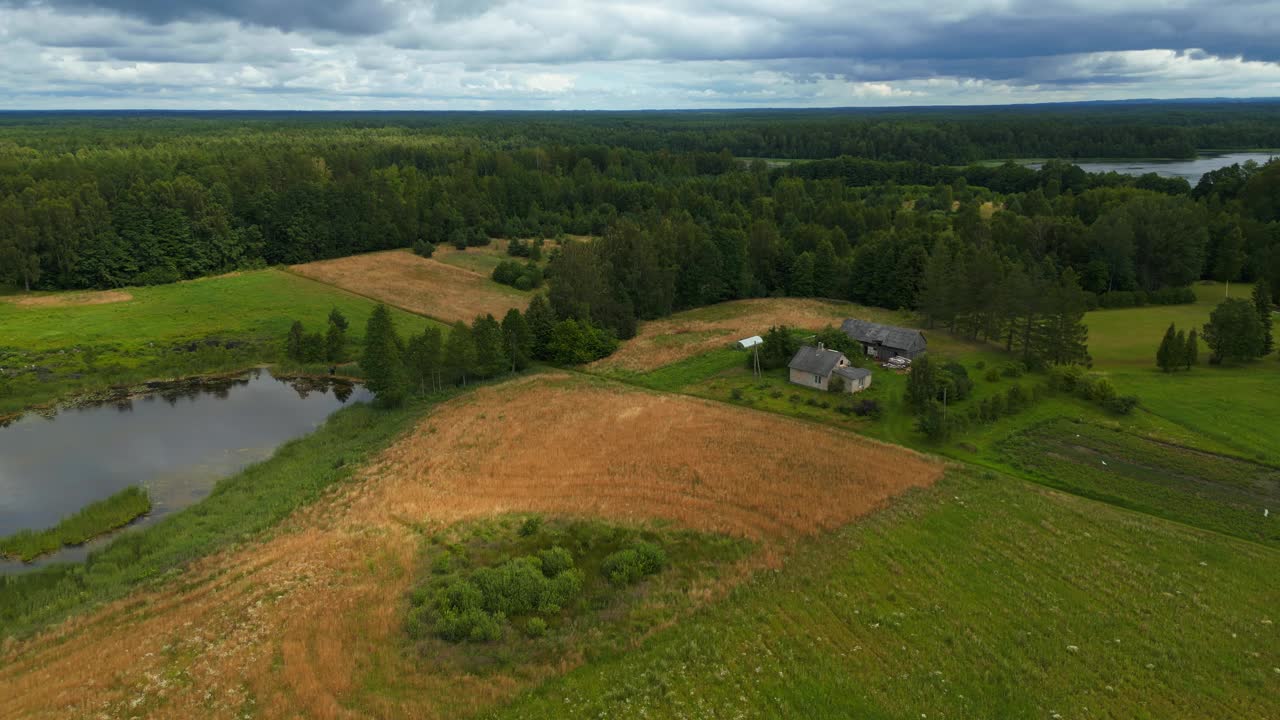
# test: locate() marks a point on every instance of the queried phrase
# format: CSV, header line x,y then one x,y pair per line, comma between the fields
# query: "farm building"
x,y
885,341
815,366
748,343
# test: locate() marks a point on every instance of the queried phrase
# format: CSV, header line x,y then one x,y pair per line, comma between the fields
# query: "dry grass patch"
x,y
690,333
72,299
299,624
420,285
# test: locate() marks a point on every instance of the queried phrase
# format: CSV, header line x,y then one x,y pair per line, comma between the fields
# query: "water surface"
x,y
176,443
1191,169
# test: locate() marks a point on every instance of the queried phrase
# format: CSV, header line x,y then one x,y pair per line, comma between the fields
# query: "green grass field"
x,y
1234,406
983,597
167,331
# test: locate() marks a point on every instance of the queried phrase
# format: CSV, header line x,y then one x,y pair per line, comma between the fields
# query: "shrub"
x,y
531,526
1012,370
442,563
422,248
555,560
993,375
868,408
1121,404
536,627
629,566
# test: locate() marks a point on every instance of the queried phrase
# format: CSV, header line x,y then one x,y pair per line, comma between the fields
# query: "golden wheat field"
x,y
424,286
295,624
690,333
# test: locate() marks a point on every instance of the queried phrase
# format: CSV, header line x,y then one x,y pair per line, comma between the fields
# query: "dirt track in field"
x,y
297,624
684,335
420,285
100,297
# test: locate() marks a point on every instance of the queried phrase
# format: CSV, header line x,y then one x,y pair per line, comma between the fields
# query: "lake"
x,y
1191,169
176,442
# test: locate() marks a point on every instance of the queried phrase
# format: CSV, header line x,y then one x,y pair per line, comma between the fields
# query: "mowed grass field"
x,y
1234,405
59,343
446,291
982,597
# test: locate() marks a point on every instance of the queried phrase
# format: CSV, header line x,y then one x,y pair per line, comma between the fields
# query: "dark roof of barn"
x,y
814,360
897,338
853,373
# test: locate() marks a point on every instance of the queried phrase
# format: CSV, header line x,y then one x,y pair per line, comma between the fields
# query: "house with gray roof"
x,y
815,366
885,341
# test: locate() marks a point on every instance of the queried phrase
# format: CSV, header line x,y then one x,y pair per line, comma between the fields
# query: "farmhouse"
x,y
885,341
815,366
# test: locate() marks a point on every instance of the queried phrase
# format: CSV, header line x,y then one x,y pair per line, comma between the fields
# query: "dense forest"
x,y
887,217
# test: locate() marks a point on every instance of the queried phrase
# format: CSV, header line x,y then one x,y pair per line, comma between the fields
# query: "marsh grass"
x,y
89,522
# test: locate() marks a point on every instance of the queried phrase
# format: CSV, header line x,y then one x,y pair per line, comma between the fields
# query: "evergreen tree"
x,y
338,319
490,346
293,343
1179,350
382,361
517,339
1164,355
1192,354
1262,302
423,358
1063,337
336,337
541,319
459,352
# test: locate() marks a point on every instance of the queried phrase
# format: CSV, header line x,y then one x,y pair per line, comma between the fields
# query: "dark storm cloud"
x,y
353,17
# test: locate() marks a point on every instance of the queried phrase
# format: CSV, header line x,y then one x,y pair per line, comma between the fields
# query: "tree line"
x,y
395,368
680,229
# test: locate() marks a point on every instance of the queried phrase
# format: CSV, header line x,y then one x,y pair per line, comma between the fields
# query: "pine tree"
x,y
1262,301
336,338
1178,352
459,352
1192,354
1164,356
490,347
382,361
293,344
922,384
423,358
541,319
517,339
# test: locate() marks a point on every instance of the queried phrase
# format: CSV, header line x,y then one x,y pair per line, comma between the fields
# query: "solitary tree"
x,y
1164,355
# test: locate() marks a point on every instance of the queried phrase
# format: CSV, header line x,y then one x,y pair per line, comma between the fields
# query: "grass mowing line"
x,y
977,597
353,293
89,522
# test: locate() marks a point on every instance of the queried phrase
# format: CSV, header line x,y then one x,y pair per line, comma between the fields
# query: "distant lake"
x,y
1192,169
176,443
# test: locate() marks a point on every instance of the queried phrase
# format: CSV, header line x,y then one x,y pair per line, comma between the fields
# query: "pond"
x,y
1191,169
177,442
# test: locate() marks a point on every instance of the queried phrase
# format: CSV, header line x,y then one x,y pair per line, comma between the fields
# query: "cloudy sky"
x,y
626,54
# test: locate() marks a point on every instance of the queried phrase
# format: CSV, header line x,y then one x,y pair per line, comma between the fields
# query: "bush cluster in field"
x,y
465,602
91,521
521,277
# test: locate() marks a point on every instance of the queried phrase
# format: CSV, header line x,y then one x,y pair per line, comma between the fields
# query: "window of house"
x,y
817,379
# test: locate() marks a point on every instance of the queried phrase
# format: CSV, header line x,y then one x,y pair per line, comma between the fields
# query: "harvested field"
x,y
306,623
100,297
420,285
686,334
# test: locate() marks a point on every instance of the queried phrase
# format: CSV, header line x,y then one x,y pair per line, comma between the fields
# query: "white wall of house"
x,y
809,379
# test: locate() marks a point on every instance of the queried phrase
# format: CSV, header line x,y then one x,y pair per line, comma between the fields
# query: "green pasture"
x,y
214,324
983,597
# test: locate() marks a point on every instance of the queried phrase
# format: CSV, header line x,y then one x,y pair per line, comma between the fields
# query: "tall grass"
x,y
95,519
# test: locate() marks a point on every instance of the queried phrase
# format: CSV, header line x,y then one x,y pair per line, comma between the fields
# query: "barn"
x,y
885,341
